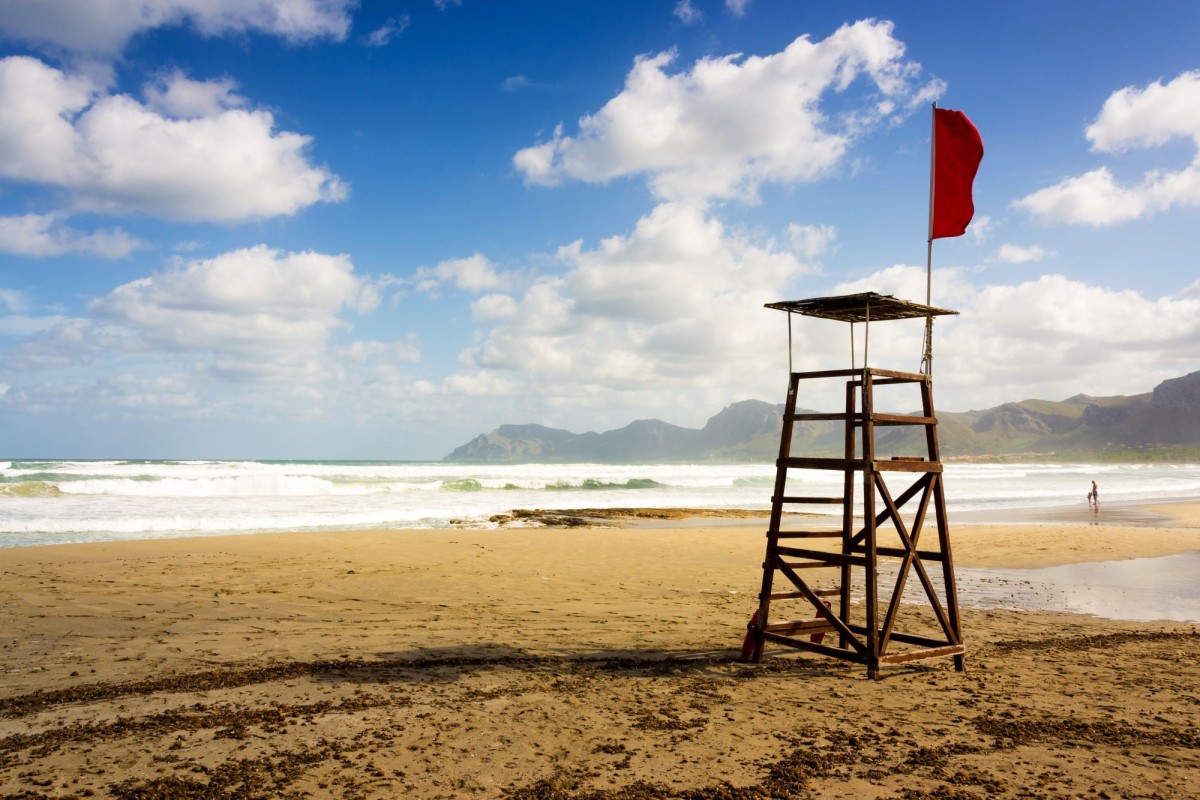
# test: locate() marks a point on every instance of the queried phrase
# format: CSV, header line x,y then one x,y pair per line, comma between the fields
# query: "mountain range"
x,y
1163,424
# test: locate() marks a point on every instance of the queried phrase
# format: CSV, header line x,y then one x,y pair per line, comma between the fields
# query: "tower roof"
x,y
864,307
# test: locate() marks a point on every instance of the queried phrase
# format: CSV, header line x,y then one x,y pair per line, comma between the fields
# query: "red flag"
x,y
957,151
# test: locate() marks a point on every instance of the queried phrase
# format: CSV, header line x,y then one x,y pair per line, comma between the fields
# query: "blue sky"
x,y
337,229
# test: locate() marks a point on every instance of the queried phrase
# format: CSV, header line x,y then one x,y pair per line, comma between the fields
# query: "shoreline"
x,y
576,664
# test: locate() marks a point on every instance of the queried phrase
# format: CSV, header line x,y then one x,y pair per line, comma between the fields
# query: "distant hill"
x,y
1163,424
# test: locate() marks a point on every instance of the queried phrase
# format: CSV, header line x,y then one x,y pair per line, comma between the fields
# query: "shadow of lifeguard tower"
x,y
864,563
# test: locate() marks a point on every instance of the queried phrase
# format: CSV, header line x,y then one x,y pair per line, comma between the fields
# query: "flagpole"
x,y
927,355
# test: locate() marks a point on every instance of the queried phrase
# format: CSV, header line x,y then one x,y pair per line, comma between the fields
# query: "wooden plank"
x,y
832,501
799,595
907,466
896,376
798,626
900,552
825,534
815,417
828,373
813,647
916,655
830,559
923,641
840,464
904,419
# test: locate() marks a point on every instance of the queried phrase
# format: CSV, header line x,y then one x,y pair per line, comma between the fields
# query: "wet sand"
x,y
560,663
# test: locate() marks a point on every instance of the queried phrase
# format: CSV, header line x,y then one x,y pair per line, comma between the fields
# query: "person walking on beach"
x,y
1094,496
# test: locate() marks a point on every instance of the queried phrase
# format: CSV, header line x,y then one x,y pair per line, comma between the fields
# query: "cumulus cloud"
x,y
810,242
472,274
1049,338
190,152
41,235
727,125
673,309
174,94
103,27
1015,254
1131,118
256,311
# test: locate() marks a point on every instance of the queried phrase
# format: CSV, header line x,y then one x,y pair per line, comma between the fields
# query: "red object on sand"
x,y
748,641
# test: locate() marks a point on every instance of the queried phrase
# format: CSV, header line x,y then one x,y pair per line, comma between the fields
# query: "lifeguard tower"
x,y
860,562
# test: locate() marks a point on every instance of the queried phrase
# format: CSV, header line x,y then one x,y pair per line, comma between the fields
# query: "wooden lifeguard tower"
x,y
885,543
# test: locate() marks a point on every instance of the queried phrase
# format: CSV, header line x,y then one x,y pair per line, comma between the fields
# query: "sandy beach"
x,y
563,663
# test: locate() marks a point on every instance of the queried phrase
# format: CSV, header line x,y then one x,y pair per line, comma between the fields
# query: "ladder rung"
x,y
808,564
900,552
830,559
902,419
799,595
832,501
799,626
814,417
907,465
822,463
825,534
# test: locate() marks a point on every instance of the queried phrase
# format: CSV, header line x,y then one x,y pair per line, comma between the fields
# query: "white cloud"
x,y
1093,198
481,384
729,124
810,242
445,4
1048,338
364,351
102,27
247,335
255,311
514,83
386,33
174,94
494,307
473,274
41,235
1130,118
12,300
673,310
148,395
517,83
686,13
737,7
188,154
1015,254
1148,117
17,318
950,287
980,229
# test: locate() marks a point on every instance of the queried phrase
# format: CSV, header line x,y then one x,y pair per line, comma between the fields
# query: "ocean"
x,y
52,502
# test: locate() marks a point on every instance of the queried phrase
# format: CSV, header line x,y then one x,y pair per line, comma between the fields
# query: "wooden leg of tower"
x,y
764,601
872,566
948,570
847,511
759,624
943,526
